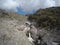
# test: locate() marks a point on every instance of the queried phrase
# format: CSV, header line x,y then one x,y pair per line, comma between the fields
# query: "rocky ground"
x,y
14,32
11,32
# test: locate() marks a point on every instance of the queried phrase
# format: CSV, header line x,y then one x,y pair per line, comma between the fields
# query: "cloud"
x,y
30,5
57,2
9,4
49,3
27,5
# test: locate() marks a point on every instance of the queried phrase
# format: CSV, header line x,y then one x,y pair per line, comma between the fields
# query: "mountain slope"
x,y
10,29
47,17
48,23
11,15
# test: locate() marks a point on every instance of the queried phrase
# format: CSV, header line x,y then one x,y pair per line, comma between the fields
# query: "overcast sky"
x,y
27,6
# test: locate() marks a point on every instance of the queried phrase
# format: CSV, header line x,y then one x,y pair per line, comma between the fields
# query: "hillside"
x,y
11,15
45,29
47,21
49,17
11,26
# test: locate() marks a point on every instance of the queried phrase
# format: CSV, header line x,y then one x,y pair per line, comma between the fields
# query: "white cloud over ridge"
x,y
28,5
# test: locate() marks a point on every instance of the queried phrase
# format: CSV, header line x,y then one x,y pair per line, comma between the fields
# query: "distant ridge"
x,y
47,17
4,13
